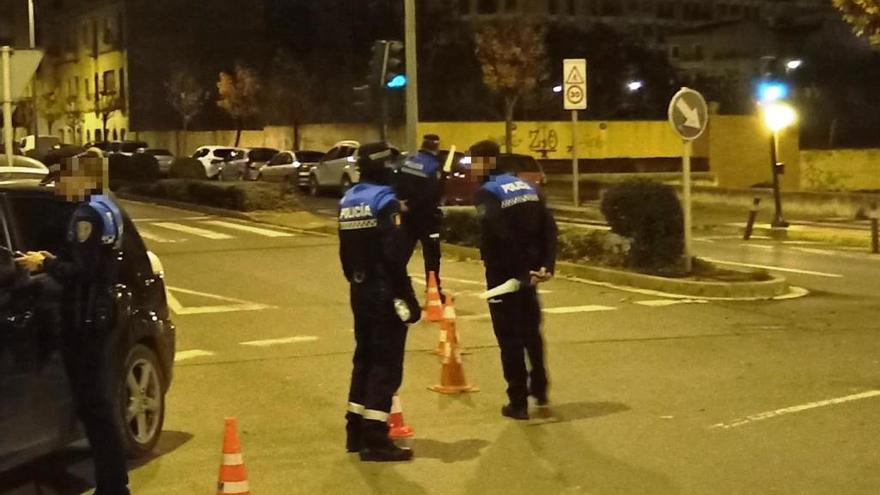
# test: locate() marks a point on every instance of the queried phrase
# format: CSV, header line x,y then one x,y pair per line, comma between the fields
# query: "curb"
x,y
768,289
220,212
792,233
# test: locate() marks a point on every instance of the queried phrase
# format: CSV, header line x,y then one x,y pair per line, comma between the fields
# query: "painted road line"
x,y
660,303
761,246
249,228
577,309
774,268
795,409
151,236
194,353
421,280
823,252
208,234
175,219
585,226
230,305
273,342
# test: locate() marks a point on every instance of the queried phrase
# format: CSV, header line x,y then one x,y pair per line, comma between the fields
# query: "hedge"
x,y
139,167
187,168
239,196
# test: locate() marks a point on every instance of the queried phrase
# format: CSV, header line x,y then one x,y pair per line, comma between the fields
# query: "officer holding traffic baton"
x,y
382,300
518,247
87,269
419,187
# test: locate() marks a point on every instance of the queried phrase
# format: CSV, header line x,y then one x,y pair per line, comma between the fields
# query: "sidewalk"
x,y
732,221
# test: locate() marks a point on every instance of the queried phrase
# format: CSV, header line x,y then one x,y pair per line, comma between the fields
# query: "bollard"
x,y
875,242
753,214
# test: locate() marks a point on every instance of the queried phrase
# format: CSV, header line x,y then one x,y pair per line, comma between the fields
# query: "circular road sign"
x,y
688,114
575,95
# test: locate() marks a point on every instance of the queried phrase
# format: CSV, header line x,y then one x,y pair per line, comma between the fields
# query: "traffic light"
x,y
773,84
395,73
387,65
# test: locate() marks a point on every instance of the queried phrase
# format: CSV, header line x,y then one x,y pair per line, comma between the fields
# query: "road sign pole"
x,y
412,78
575,172
686,192
8,137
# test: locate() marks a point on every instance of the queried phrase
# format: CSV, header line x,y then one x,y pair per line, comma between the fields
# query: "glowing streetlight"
x,y
634,86
557,89
794,64
778,116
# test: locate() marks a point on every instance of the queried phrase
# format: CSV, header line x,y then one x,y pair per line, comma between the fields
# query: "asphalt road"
x,y
650,395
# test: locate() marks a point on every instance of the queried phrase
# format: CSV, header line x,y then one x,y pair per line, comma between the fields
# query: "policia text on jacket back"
x,y
382,300
518,247
87,269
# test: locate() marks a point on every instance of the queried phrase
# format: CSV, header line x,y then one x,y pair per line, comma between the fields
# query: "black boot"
x,y
354,429
515,412
378,447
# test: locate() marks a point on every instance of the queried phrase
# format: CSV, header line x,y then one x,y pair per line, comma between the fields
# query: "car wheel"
x,y
141,396
346,184
314,188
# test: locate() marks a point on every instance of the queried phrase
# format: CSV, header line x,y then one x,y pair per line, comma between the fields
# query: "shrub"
x,y
187,168
460,226
136,168
650,215
239,196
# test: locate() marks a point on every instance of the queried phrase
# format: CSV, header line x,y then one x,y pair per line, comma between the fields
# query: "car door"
x,y
338,165
322,170
278,167
43,415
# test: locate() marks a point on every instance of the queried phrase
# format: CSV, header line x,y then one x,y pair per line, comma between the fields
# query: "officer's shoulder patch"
x,y
83,231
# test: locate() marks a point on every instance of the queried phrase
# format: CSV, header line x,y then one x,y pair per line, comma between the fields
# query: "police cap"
x,y
373,156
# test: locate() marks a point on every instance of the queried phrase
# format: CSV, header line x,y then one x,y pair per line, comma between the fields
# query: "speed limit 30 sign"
x,y
574,87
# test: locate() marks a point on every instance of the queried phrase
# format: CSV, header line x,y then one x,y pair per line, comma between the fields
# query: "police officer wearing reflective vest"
x,y
87,270
419,186
518,247
382,300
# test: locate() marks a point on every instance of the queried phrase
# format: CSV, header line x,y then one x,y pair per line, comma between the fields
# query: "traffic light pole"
x,y
778,219
8,136
412,77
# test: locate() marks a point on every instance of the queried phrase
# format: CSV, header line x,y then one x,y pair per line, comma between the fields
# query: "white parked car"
x,y
330,171
290,166
214,158
23,168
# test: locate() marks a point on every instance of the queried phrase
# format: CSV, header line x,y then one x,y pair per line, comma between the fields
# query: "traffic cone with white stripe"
x,y
397,427
433,305
452,380
233,478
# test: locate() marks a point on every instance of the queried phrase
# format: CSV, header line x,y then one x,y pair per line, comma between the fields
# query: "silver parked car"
x,y
163,156
290,166
330,171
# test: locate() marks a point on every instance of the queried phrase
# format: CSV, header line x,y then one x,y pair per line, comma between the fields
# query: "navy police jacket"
x,y
369,238
419,182
518,231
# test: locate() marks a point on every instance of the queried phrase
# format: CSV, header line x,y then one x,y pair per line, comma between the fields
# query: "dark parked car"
x,y
460,189
36,412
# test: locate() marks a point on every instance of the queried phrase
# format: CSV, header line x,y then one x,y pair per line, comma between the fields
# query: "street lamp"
x,y
557,89
634,86
794,64
777,116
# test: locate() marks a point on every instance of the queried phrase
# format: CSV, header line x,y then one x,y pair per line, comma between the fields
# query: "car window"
x,y
287,159
277,159
40,223
224,153
200,153
331,155
132,147
347,151
135,266
261,154
308,156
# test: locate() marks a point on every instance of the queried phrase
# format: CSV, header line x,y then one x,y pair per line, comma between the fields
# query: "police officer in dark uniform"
x,y
419,186
87,269
518,248
382,300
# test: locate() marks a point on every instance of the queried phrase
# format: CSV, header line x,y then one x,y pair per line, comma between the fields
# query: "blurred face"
x,y
481,166
77,183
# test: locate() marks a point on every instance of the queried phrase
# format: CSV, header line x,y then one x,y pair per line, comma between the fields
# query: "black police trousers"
x,y
516,319
92,368
380,338
426,232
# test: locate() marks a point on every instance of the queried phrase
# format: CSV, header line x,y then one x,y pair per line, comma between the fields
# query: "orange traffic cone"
x,y
449,318
452,380
233,478
433,306
397,427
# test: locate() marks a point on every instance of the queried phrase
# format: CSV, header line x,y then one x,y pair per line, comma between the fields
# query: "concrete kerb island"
x,y
769,289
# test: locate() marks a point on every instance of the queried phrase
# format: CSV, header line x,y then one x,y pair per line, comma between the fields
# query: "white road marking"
x,y
176,219
794,292
794,409
577,309
660,303
484,316
824,252
288,340
248,228
761,246
208,234
237,304
183,355
421,280
774,268
150,236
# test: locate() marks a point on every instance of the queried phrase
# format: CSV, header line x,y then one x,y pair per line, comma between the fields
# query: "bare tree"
x,y
106,104
51,108
291,95
864,16
186,96
512,53
239,94
74,116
